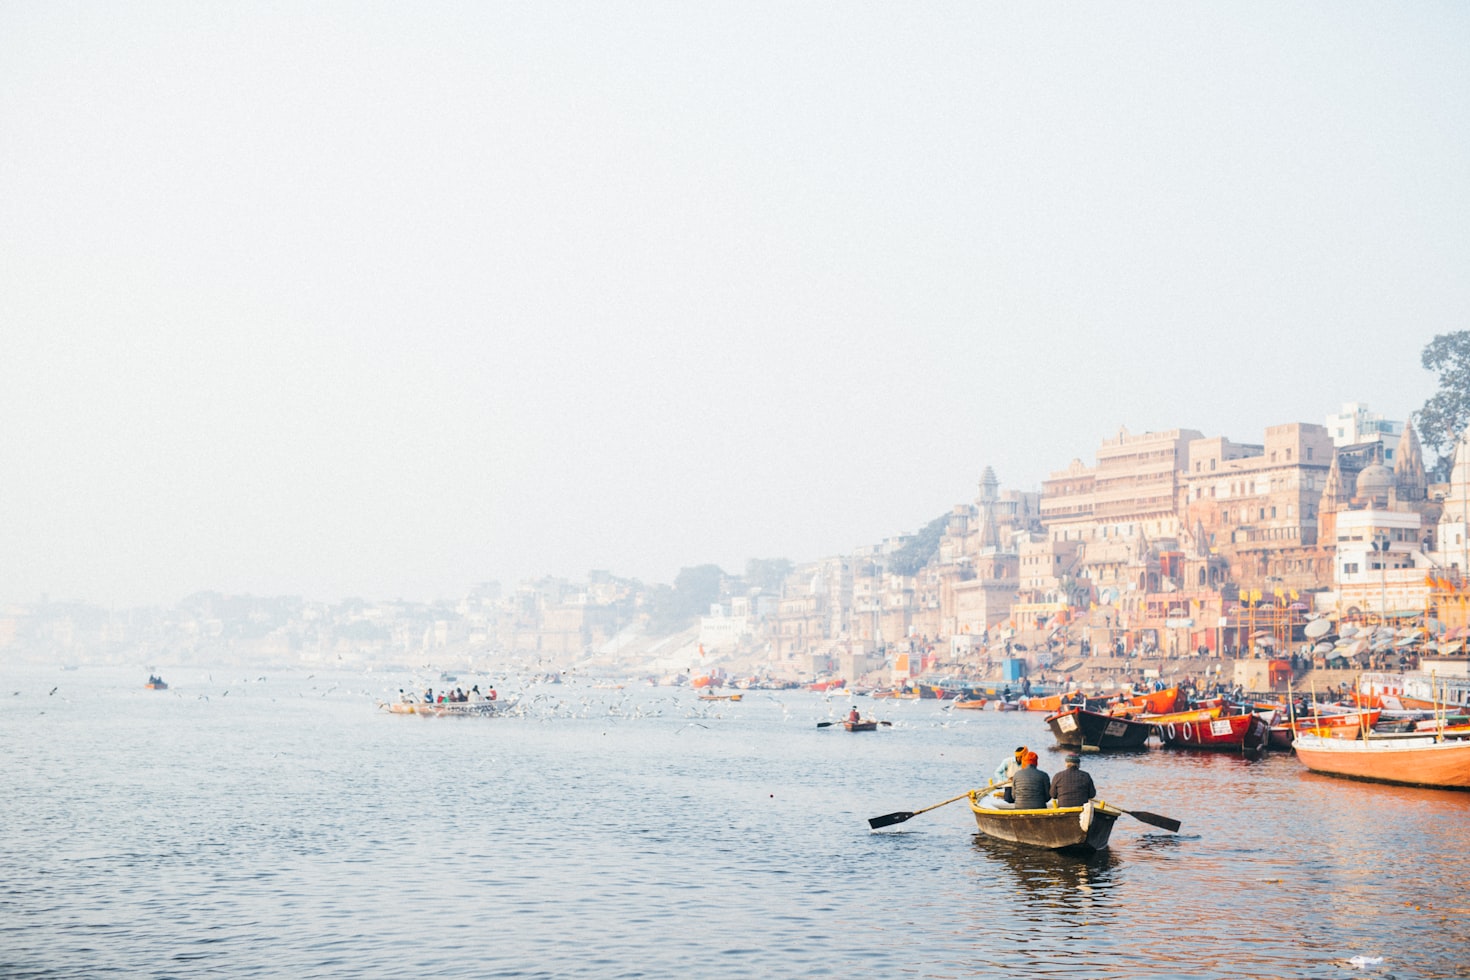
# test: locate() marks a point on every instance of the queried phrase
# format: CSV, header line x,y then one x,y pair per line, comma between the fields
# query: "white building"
x,y
1379,565
1356,425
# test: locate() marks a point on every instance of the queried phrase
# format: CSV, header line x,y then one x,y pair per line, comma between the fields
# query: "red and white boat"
x,y
1414,761
1247,734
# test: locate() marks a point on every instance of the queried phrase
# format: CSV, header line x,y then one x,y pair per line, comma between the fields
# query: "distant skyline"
x,y
384,301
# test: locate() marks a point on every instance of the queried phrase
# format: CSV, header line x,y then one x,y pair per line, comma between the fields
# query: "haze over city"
x,y
388,301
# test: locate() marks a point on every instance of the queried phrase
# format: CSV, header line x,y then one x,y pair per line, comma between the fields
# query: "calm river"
x,y
276,824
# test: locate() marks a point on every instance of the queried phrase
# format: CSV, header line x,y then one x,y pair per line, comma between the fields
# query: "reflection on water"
x,y
1047,880
282,826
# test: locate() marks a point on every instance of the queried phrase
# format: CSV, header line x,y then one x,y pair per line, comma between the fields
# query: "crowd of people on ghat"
x,y
1028,787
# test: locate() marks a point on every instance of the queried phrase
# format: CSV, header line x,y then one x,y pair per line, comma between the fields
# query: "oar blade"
x,y
889,819
1168,823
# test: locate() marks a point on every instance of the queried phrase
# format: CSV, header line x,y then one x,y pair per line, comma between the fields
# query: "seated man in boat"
x,y
1008,768
1073,787
853,717
1030,786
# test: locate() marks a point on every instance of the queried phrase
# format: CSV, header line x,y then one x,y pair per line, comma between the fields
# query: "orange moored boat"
x,y
1156,702
1049,702
1415,761
973,703
1193,716
1341,725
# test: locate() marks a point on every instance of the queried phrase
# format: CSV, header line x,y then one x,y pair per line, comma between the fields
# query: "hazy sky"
x,y
389,299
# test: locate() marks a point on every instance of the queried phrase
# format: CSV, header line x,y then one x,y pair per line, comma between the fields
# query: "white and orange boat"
x,y
1414,761
1340,724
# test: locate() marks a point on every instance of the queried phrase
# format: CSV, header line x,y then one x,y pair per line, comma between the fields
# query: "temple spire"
x,y
1410,482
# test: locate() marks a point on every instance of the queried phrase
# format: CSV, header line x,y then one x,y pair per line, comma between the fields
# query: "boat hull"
x,y
1405,761
1247,735
860,726
1342,726
1071,830
1078,728
1157,702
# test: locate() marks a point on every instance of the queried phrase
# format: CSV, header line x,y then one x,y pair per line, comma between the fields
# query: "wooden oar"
x,y
889,819
1168,823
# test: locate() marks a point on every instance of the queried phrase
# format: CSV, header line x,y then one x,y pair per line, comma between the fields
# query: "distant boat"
x,y
156,684
721,697
481,708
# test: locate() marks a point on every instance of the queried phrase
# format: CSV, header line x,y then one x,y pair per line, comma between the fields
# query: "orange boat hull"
x,y
1411,762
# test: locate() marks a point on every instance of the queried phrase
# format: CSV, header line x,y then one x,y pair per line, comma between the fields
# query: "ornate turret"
x,y
1333,500
989,486
1410,482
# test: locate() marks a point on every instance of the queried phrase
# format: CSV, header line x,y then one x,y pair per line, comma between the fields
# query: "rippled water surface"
x,y
277,824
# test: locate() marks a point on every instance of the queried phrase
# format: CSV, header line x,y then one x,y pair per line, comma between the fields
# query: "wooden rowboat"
x,y
974,704
860,726
1078,728
721,697
1071,830
1347,725
1248,734
1414,761
1193,715
449,709
1156,702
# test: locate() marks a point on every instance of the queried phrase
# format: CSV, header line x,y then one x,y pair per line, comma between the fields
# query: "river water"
x,y
277,824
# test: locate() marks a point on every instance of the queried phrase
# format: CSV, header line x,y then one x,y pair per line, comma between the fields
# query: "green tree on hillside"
x,y
915,553
1447,412
694,591
766,574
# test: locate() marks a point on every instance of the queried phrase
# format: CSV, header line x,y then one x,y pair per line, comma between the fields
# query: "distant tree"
x,y
917,552
697,588
1447,412
766,574
694,591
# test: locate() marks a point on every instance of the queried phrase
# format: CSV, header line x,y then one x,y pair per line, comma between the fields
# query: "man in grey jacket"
x,y
1031,788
